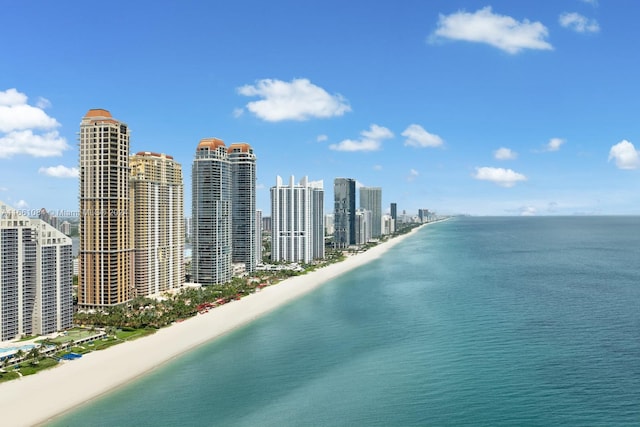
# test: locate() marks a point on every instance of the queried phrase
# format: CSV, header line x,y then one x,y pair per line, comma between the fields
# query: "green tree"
x,y
34,355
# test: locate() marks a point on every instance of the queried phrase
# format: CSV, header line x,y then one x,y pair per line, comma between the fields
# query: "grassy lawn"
x,y
132,334
26,368
8,376
74,335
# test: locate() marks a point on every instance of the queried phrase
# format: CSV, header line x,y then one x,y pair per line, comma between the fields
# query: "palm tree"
x,y
5,363
34,355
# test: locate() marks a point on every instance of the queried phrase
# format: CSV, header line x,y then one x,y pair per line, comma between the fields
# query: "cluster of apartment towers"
x,y
132,229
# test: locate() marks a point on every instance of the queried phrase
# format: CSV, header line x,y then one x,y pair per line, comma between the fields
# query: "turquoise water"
x,y
473,321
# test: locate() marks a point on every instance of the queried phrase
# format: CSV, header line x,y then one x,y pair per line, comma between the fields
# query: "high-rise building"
x,y
317,219
297,221
211,213
157,201
188,229
243,206
36,276
388,224
328,224
258,236
394,215
65,227
424,215
371,200
266,224
105,270
344,196
363,226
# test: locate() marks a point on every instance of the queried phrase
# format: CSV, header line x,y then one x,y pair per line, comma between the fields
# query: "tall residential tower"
x,y
297,221
211,213
243,206
344,197
105,261
158,224
36,276
371,200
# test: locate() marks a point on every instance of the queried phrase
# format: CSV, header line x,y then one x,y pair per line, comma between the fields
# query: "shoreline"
x,y
41,398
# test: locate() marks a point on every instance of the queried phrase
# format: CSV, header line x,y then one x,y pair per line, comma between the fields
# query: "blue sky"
x,y
478,107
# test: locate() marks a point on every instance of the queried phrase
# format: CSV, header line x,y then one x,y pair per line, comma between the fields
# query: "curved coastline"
x,y
37,399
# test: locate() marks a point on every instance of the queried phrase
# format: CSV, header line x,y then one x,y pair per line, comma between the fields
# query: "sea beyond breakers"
x,y
472,321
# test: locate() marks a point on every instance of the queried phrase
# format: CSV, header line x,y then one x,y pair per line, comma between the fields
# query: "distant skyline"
x,y
460,107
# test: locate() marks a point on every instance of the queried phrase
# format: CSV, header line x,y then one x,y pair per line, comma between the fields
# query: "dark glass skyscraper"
x,y
344,196
243,217
211,213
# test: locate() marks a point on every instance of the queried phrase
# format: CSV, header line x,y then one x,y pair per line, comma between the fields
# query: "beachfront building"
x,y
105,273
344,214
317,219
243,205
363,226
259,236
211,213
157,202
296,221
65,227
393,211
388,225
188,229
328,224
424,215
36,276
266,224
371,200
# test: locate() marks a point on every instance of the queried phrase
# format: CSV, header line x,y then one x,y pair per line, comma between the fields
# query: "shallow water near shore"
x,y
473,321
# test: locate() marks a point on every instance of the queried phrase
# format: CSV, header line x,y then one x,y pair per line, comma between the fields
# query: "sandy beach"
x,y
35,399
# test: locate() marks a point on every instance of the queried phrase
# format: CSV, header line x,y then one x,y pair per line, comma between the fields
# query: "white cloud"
x,y
413,174
377,167
296,100
591,2
12,97
43,103
418,137
25,129
21,204
238,112
322,138
377,133
501,31
371,140
49,144
528,211
503,153
23,116
59,171
625,155
357,145
554,144
500,176
578,23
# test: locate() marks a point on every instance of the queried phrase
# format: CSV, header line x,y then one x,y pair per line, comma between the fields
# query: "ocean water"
x,y
472,321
